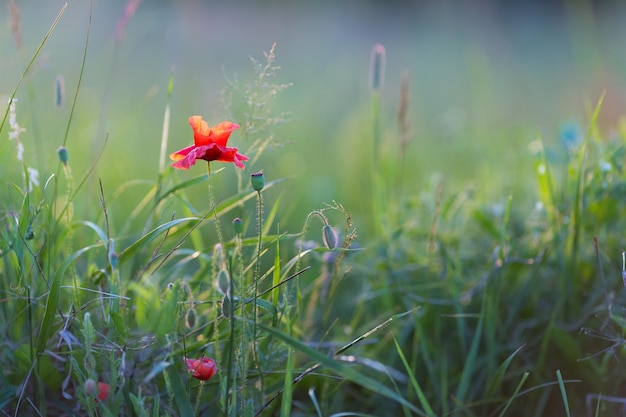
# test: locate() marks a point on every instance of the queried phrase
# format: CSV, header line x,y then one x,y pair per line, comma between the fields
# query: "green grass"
x,y
457,261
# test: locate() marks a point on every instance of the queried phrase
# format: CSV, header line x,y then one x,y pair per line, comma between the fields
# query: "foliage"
x,y
449,304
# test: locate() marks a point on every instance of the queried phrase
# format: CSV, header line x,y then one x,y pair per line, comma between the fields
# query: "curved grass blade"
x,y
515,394
131,250
500,372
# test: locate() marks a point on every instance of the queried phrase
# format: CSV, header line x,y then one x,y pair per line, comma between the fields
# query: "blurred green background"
x,y
486,79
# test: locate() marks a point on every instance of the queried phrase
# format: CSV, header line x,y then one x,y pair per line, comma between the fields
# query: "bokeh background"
x,y
486,79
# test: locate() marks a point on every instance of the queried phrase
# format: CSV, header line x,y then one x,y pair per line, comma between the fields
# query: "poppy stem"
x,y
213,207
257,277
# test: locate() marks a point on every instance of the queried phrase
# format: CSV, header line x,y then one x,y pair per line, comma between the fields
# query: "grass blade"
x,y
515,394
418,390
563,392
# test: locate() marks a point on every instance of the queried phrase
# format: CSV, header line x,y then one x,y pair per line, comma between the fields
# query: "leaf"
x,y
497,379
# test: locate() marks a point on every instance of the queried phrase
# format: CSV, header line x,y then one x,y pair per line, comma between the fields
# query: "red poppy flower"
x,y
203,368
209,144
103,391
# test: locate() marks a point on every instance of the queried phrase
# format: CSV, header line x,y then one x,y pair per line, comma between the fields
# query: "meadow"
x,y
422,215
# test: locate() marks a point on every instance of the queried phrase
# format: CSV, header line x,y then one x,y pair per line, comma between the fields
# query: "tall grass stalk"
x,y
377,77
30,63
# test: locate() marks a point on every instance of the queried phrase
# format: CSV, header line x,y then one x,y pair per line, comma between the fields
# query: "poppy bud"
x,y
238,225
63,156
90,387
190,319
258,181
329,237
223,282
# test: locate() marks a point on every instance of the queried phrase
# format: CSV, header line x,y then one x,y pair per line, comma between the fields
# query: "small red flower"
x,y
103,391
203,368
209,144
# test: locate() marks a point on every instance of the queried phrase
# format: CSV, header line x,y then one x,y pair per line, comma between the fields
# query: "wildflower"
x,y
209,144
14,134
258,181
203,368
103,391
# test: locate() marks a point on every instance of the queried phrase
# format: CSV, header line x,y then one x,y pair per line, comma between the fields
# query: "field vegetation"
x,y
230,210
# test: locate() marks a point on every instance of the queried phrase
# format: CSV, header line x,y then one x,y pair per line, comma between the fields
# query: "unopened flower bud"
x,y
329,237
258,181
223,282
238,225
90,387
190,318
63,156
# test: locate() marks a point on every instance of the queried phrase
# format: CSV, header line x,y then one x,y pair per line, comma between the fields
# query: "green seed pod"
x,y
258,181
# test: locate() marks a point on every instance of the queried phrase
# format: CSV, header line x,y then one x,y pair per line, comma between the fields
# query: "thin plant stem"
x,y
218,230
257,277
242,356
68,217
197,405
376,163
